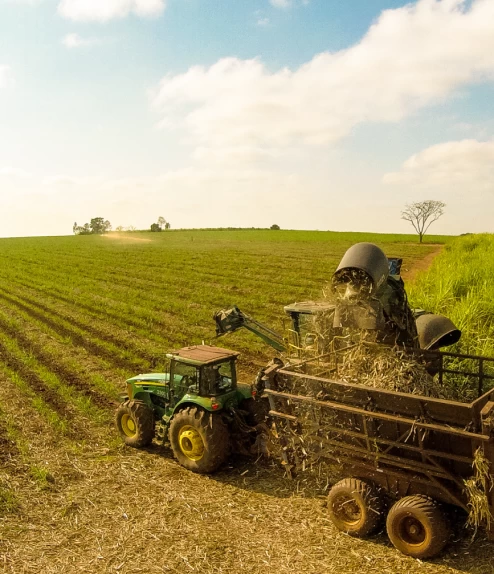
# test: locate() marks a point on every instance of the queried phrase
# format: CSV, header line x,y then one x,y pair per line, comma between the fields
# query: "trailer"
x,y
408,458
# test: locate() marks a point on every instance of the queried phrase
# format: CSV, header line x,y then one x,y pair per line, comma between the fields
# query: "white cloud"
x,y
104,10
466,165
410,58
280,3
263,22
12,172
61,180
6,76
71,41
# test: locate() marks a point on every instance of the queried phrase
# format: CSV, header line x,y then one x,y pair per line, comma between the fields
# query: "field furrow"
x,y
74,334
62,403
51,357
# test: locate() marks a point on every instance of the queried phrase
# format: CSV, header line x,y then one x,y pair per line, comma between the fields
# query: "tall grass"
x,y
460,285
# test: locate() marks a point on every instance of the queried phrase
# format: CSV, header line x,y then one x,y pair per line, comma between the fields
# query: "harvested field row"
x,y
242,520
51,357
8,448
75,334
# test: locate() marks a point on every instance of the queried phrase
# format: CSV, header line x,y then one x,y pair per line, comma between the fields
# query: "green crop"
x,y
80,315
460,285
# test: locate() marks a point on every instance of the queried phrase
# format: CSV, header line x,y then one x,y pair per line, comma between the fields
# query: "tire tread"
x,y
428,509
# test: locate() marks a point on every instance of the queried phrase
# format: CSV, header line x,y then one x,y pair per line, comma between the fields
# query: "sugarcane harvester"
x,y
403,460
368,297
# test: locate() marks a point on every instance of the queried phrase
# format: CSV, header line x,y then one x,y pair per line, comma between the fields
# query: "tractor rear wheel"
x,y
355,507
417,527
135,423
199,439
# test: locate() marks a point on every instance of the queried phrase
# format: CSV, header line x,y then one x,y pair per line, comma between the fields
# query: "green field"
x,y
79,315
459,285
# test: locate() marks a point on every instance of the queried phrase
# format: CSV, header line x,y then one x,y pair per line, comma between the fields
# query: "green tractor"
x,y
198,405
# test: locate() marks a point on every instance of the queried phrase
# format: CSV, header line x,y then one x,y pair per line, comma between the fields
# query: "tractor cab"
x,y
202,375
204,370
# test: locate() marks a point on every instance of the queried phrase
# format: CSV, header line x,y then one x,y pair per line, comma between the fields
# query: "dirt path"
x,y
421,264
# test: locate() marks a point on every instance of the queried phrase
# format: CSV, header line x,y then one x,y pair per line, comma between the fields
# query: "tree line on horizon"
x,y
421,215
100,225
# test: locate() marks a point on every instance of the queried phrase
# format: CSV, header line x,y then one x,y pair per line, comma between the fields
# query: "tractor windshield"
x,y
185,378
217,379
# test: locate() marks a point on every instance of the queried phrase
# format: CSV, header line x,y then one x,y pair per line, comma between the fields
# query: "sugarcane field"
x,y
87,485
246,296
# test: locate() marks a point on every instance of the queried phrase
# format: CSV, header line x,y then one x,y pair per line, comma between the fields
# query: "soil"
x,y
421,264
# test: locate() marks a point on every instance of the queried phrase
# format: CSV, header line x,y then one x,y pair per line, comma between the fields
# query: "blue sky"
x,y
313,114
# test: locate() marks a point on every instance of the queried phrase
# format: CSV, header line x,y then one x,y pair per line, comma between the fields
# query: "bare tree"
x,y
422,214
161,222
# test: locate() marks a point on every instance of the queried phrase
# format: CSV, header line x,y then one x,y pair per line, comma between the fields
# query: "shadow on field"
x,y
250,474
467,555
258,475
461,554
466,552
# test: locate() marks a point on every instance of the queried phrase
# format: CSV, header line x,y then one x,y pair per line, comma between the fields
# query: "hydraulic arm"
x,y
230,320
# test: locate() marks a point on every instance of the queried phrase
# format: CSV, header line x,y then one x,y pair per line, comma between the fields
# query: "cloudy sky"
x,y
312,114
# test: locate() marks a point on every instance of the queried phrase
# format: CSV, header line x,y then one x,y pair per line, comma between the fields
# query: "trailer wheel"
x,y
417,527
199,439
135,423
355,507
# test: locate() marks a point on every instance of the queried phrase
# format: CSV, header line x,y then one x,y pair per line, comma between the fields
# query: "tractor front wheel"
x,y
135,423
199,439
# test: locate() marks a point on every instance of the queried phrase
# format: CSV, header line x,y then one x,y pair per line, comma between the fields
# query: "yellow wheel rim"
x,y
191,443
128,425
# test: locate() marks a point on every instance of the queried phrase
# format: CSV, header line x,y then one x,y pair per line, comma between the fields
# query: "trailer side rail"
x,y
435,456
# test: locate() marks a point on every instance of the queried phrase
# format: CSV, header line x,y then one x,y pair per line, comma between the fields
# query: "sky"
x,y
309,114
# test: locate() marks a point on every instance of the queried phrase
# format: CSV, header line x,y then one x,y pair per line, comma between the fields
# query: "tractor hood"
x,y
150,377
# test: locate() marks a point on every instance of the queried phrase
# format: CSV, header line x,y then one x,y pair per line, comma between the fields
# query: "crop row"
x,y
45,371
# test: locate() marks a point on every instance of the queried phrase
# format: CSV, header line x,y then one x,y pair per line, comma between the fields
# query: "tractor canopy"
x,y
206,370
202,355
